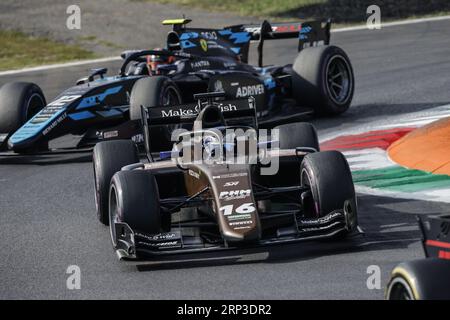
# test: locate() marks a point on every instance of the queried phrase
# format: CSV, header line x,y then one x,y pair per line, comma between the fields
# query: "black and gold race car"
x,y
225,183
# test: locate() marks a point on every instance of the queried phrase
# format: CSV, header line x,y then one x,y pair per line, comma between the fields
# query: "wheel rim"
x,y
170,96
400,290
34,104
339,82
113,214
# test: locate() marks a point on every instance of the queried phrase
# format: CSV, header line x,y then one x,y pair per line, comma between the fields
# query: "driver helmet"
x,y
153,61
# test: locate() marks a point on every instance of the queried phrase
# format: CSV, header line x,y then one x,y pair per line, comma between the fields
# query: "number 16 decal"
x,y
242,209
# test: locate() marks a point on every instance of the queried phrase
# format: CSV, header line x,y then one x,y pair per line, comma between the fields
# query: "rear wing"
x,y
187,113
237,38
309,34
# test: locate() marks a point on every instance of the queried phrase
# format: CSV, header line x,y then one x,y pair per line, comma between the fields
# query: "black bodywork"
x,y
97,107
188,189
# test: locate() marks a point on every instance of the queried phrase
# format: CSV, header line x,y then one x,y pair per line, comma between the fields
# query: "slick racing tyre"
x,y
322,78
155,92
328,176
298,134
134,199
108,158
291,136
19,102
425,279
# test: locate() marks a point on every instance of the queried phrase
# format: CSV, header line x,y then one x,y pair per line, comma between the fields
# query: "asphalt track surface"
x,y
47,210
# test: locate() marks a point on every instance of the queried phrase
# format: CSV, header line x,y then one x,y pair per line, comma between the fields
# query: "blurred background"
x,y
32,34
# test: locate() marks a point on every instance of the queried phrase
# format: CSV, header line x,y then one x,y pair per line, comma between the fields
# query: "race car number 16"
x,y
242,209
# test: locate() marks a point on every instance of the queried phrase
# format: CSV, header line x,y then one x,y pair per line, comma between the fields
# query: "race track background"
x,y
47,211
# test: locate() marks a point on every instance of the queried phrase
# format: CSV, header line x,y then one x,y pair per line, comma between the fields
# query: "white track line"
x,y
393,24
107,59
59,65
397,121
439,195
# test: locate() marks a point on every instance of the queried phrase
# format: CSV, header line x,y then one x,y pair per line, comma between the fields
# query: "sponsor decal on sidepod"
x,y
247,91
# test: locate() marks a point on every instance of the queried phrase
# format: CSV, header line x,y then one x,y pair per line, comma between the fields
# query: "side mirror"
x,y
82,81
94,72
97,72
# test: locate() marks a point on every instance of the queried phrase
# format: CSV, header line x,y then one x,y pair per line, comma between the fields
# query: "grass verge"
x,y
19,50
341,11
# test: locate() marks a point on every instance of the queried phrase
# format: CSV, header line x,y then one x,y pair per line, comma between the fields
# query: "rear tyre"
x,y
108,158
328,176
299,134
425,279
155,92
134,199
322,78
291,136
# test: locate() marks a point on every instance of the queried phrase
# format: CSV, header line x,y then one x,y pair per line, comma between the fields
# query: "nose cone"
x,y
22,137
35,129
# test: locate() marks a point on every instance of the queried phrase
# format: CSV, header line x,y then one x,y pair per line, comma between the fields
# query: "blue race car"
x,y
195,60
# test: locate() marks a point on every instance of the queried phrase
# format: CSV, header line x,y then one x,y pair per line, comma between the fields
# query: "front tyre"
x,y
134,199
19,102
322,78
327,175
108,158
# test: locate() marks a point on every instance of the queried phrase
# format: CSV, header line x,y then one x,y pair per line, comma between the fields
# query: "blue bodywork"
x,y
78,108
202,60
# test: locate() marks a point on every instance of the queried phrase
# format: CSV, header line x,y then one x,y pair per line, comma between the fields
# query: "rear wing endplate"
x,y
307,31
187,113
309,34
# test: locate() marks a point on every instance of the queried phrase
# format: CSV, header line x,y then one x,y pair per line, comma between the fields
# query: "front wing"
x,y
132,244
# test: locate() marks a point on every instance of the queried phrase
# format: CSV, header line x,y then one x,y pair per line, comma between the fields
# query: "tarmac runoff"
x,y
405,162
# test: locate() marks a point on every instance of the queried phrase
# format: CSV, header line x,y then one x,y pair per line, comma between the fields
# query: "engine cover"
x,y
237,85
